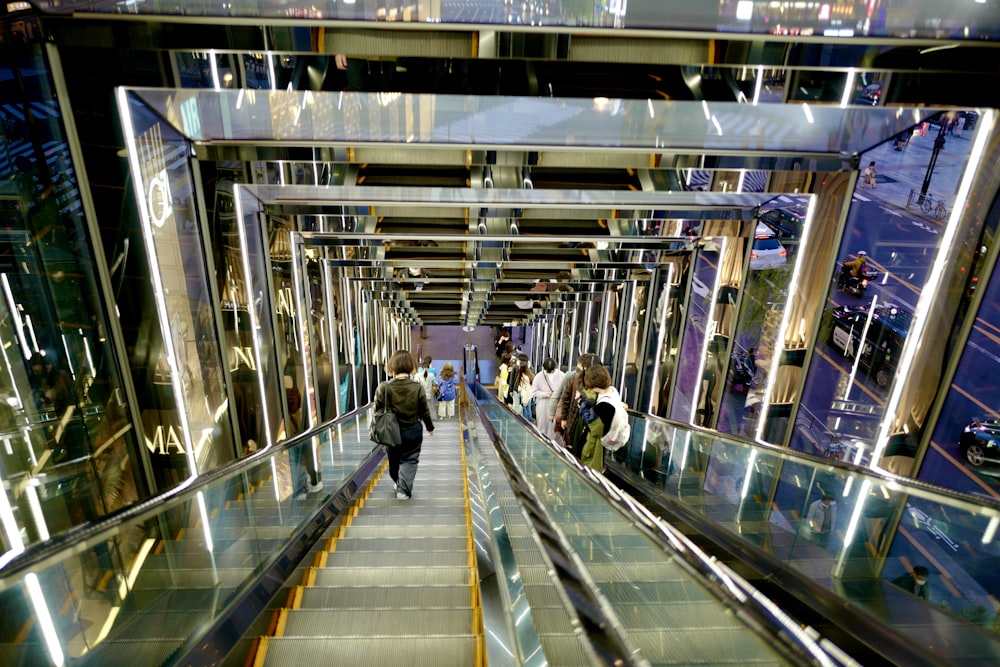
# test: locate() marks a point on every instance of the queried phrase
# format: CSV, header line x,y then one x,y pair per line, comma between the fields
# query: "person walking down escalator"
x,y
407,399
568,412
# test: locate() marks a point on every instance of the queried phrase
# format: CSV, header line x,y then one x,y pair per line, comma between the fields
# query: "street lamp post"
x,y
938,145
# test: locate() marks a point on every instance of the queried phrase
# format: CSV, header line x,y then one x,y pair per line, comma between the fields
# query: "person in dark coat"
x,y
914,582
407,399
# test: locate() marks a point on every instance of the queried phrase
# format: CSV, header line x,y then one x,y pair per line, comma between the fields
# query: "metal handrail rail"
x,y
957,499
606,636
77,539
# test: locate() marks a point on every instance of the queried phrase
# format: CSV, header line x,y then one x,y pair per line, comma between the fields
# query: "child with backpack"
x,y
447,391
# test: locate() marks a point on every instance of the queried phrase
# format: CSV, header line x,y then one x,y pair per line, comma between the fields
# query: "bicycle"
x,y
931,207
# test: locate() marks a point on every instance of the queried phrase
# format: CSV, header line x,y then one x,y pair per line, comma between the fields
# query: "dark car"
x,y
883,341
786,222
980,442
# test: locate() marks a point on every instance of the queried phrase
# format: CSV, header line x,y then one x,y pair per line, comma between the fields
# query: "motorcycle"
x,y
856,285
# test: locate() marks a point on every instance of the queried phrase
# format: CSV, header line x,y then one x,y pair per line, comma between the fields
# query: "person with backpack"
x,y
604,410
447,388
596,384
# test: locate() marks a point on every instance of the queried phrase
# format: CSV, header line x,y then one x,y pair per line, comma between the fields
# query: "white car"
x,y
767,251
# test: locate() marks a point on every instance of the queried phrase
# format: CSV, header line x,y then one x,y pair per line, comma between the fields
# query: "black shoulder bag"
x,y
383,427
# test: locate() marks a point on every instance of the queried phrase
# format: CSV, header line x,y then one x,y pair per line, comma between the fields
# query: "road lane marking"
x,y
983,350
863,388
975,400
982,322
958,464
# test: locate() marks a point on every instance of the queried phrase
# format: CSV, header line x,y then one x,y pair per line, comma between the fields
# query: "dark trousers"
x,y
403,459
303,466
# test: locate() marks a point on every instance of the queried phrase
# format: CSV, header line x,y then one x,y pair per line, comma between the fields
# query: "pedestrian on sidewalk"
x,y
868,175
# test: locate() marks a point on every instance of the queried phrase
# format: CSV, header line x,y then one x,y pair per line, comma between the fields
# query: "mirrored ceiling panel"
x,y
323,118
927,19
485,269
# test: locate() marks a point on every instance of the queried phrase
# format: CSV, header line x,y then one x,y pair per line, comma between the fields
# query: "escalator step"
x,y
393,560
415,651
702,616
696,646
190,578
382,622
637,572
400,544
362,532
438,516
653,592
405,575
383,597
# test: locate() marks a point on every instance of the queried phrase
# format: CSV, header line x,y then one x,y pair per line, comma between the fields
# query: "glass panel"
x,y
191,424
891,240
67,452
309,116
963,451
175,569
690,366
833,523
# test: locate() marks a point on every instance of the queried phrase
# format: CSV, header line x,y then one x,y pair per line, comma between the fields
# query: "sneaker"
x,y
401,496
395,487
315,488
301,496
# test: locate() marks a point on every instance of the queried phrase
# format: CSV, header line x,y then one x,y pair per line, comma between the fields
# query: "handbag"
x,y
383,427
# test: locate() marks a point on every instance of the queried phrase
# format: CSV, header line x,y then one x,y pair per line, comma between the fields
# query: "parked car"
x,y
767,251
883,342
980,442
785,222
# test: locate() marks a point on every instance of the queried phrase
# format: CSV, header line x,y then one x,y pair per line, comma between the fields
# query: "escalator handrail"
x,y
982,505
606,636
749,603
79,538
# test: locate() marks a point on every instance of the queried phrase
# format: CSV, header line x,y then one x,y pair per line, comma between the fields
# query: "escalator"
x,y
394,581
508,553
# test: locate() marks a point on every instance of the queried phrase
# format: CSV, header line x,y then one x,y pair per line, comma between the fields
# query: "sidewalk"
x,y
898,173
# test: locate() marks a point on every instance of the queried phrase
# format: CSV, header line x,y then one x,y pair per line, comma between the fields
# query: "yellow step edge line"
x,y
297,600
179,535
103,583
478,631
22,634
258,660
279,631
